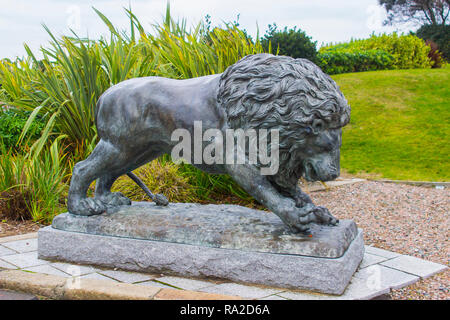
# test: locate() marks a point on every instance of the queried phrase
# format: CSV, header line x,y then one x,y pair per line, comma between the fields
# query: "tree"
x,y
434,12
440,34
294,43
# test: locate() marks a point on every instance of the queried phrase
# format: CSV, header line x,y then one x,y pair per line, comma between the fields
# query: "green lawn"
x,y
400,124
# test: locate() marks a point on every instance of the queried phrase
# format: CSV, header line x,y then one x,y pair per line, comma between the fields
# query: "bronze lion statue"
x,y
136,118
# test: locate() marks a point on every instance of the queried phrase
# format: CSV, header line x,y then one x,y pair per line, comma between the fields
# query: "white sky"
x,y
324,20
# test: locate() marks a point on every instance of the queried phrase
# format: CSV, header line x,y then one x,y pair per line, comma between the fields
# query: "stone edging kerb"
x,y
56,287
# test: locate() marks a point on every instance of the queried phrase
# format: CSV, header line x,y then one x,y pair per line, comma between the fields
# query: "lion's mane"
x,y
264,91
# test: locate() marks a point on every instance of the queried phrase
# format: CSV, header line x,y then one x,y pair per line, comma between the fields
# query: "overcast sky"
x,y
325,20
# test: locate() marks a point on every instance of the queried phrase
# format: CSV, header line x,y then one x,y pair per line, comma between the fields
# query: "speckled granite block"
x,y
208,241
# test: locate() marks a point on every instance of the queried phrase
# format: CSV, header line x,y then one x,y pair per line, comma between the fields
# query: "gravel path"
x,y
401,218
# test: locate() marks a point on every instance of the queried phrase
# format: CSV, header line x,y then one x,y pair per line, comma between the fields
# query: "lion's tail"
x,y
159,199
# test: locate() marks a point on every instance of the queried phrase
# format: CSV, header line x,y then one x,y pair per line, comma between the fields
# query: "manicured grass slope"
x,y
400,123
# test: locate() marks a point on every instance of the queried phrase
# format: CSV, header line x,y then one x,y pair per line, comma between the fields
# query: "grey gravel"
x,y
406,219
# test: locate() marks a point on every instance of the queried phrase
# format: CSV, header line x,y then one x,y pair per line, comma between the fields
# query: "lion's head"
x,y
264,91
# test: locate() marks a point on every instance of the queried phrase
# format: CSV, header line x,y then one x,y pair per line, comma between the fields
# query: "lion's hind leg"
x,y
103,160
104,183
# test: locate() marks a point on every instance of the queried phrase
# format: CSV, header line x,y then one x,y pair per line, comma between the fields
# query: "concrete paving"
x,y
379,272
12,295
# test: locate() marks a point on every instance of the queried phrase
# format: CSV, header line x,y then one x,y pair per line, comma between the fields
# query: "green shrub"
x,y
345,61
294,43
440,34
12,122
377,53
159,177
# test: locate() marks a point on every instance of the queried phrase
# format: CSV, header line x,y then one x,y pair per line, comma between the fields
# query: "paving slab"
x,y
370,259
273,297
97,276
244,291
392,278
4,251
184,283
381,252
7,265
364,289
155,284
360,288
74,269
47,269
415,266
127,277
21,246
19,237
11,295
24,260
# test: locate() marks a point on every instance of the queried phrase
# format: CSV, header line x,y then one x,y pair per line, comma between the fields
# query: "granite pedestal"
x,y
208,241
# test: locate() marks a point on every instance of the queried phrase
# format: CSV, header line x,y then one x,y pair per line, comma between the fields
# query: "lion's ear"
x,y
318,125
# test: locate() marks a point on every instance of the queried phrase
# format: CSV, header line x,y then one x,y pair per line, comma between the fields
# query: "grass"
x,y
400,124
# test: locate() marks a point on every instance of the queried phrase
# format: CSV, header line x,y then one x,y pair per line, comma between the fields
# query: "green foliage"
x,y
210,187
12,122
40,181
294,43
400,124
354,60
376,53
440,34
179,183
159,177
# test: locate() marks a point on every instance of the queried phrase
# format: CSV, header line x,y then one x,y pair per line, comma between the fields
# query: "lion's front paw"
x,y
115,199
323,216
88,207
297,222
301,219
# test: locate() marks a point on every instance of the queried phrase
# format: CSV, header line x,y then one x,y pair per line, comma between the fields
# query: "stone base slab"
x,y
325,275
221,226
